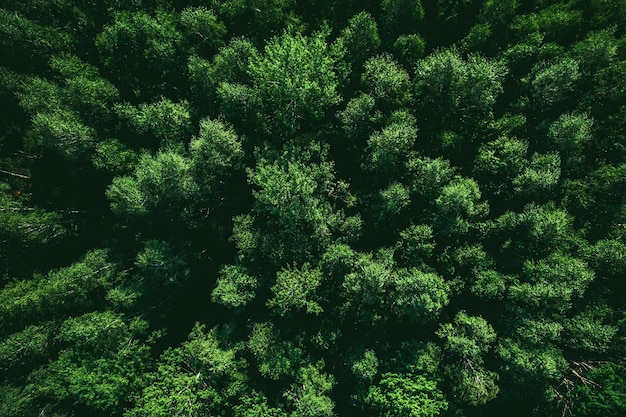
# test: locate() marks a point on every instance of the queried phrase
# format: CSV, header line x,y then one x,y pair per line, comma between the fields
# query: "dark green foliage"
x,y
283,208
296,79
407,396
603,394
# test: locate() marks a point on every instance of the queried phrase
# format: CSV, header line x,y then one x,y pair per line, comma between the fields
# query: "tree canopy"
x,y
289,208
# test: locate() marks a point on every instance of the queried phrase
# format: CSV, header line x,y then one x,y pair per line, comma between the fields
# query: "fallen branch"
x,y
15,174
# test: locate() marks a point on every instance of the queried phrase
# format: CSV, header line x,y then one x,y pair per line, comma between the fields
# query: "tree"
x,y
229,66
533,234
26,349
292,211
160,190
140,52
360,39
200,377
409,49
406,396
161,267
603,394
358,116
456,206
553,83
256,405
418,296
364,288
258,19
498,163
415,247
104,363
538,181
84,91
386,81
309,395
24,231
203,30
366,367
295,290
66,291
569,135
452,91
387,149
528,372
297,79
391,201
550,286
275,356
62,132
216,153
234,287
467,341
28,45
428,177
164,120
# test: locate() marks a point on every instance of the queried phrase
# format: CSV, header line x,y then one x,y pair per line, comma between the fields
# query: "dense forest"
x,y
281,208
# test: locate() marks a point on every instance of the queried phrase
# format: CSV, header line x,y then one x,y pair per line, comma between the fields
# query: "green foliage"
x,y
163,120
140,51
26,348
357,116
215,153
256,405
401,16
309,394
360,38
292,209
296,80
392,200
364,287
381,208
385,80
26,43
552,284
418,296
387,149
103,366
498,163
452,92
24,231
198,378
407,396
455,206
604,396
161,188
295,290
409,49
538,180
203,29
275,357
114,157
539,367
553,83
428,176
62,132
366,367
161,265
589,332
235,287
63,292
468,337
415,246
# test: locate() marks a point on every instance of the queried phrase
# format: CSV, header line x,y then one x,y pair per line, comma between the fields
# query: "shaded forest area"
x,y
280,208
